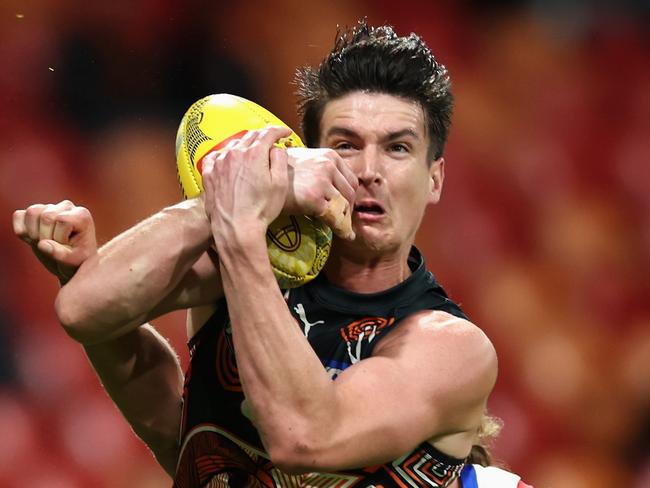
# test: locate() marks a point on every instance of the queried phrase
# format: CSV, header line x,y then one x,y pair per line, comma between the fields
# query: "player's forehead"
x,y
373,114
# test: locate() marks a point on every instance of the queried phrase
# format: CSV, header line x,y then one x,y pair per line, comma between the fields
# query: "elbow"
x,y
70,316
67,314
289,460
296,453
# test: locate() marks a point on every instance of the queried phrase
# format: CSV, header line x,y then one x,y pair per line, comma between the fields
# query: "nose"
x,y
367,165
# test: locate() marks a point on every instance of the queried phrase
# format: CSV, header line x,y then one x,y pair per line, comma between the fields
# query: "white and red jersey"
x,y
477,476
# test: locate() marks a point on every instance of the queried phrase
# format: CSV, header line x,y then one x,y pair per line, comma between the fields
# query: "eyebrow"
x,y
391,136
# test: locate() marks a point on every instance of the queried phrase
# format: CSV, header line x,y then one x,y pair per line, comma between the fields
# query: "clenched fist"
x,y
61,235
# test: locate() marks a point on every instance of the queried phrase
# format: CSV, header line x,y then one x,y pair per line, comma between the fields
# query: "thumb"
x,y
55,250
338,216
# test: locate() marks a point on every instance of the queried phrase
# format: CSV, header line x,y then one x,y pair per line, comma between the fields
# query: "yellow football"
x,y
298,245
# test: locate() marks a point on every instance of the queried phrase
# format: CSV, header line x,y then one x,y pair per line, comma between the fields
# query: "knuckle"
x,y
34,210
48,217
208,163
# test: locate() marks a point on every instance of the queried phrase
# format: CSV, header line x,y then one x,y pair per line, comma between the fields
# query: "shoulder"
x,y
439,330
453,345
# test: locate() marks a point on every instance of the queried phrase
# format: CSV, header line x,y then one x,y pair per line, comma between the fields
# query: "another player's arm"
x,y
139,370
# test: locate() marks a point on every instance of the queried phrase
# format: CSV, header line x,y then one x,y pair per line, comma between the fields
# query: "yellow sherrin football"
x,y
298,245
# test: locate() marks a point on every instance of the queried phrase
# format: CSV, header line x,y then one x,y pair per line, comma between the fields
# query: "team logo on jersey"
x,y
360,330
306,324
365,327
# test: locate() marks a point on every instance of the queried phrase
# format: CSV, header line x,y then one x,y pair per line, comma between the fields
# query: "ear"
x,y
436,178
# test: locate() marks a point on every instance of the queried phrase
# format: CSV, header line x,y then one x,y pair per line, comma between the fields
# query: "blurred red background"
x,y
543,233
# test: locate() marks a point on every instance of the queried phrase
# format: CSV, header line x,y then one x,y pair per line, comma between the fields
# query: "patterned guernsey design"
x,y
220,446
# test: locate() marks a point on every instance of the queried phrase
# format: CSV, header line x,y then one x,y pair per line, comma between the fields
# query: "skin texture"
x,y
308,422
138,369
166,262
384,141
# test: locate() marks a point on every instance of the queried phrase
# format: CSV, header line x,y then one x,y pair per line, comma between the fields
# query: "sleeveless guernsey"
x,y
220,447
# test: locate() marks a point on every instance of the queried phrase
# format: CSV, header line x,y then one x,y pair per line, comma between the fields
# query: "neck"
x,y
365,272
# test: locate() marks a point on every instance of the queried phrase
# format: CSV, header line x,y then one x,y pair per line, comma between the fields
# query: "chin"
x,y
373,241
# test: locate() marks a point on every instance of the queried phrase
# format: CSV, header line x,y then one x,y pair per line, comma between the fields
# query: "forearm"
x,y
141,374
115,290
288,390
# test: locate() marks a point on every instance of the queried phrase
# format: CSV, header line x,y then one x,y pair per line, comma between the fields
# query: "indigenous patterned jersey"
x,y
221,447
476,476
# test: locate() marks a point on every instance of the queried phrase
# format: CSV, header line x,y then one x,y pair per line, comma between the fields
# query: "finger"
x,y
248,139
278,160
46,222
348,174
338,217
18,221
63,254
58,252
49,216
221,154
208,161
82,227
32,217
62,230
272,134
343,186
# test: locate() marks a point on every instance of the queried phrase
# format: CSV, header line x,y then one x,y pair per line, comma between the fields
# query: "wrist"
x,y
240,249
193,219
240,236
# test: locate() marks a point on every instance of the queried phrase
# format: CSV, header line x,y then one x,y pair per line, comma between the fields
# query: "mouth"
x,y
369,209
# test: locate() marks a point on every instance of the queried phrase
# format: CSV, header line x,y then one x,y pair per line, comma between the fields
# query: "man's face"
x,y
384,139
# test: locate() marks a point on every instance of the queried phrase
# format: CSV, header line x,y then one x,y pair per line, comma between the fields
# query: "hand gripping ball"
x,y
298,245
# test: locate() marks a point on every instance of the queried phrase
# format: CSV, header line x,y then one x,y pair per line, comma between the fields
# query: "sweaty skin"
x,y
307,422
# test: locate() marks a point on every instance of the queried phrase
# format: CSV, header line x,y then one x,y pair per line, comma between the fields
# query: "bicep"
x,y
424,385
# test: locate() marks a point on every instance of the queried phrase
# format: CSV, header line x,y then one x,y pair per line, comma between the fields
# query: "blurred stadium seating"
x,y
543,233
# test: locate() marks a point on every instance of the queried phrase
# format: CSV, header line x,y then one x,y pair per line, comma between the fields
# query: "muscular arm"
x,y
159,265
430,380
164,262
141,373
139,370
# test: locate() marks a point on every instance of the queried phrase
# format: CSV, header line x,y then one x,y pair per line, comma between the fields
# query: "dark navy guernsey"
x,y
220,447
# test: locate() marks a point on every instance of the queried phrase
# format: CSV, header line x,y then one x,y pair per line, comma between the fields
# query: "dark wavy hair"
x,y
377,60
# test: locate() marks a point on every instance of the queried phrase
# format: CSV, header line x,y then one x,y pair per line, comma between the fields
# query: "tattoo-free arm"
x,y
141,373
159,265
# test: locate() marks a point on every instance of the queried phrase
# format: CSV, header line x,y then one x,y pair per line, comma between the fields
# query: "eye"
x,y
343,146
399,147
